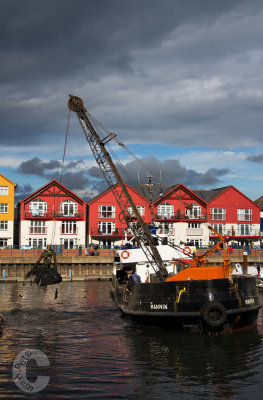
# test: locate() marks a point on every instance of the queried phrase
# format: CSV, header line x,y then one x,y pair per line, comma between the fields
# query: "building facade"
x,y
179,213
234,215
52,215
106,225
182,215
7,206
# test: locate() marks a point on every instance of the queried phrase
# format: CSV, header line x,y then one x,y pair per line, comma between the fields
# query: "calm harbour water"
x,y
94,353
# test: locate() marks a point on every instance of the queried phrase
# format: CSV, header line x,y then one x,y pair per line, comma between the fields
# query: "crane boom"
x,y
111,174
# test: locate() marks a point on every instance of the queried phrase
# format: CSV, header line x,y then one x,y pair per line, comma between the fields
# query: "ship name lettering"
x,y
249,301
159,306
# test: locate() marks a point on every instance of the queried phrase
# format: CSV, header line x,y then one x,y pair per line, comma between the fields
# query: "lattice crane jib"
x,y
97,144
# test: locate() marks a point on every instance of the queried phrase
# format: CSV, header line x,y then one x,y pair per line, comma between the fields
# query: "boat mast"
x,y
111,174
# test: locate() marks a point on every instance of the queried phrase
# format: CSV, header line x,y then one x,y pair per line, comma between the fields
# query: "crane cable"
x,y
127,177
60,179
102,128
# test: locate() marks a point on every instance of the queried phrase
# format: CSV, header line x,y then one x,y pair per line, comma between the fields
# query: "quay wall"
x,y
82,267
91,267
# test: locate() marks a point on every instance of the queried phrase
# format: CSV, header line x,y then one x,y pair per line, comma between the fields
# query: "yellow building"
x,y
7,211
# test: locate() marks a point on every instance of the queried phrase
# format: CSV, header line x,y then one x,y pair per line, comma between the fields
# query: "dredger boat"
x,y
199,297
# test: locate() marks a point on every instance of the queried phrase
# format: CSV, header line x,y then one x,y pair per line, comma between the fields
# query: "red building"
x,y
182,214
52,215
233,214
106,225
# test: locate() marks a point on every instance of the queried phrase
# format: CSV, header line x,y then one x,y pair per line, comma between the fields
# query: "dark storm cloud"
x,y
61,38
74,164
75,180
95,172
189,69
35,166
207,179
169,172
70,178
255,158
22,191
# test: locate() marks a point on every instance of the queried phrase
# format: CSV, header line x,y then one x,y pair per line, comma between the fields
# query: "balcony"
x,y
180,217
119,232
51,214
194,232
234,233
37,230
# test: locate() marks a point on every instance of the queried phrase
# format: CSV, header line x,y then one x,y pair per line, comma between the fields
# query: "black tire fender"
x,y
214,313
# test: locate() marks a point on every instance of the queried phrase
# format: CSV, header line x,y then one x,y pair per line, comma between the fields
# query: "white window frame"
x,y
166,228
69,243
106,228
195,212
244,214
37,227
141,211
220,228
244,229
194,225
3,243
195,242
38,243
3,208
38,207
69,228
68,208
218,214
3,225
4,190
166,210
106,211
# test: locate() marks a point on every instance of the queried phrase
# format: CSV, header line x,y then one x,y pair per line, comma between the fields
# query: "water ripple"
x,y
96,354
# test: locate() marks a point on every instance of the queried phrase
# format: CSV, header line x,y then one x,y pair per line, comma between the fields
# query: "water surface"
x,y
94,353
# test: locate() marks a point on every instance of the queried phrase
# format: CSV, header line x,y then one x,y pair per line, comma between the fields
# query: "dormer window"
x,y
38,207
69,208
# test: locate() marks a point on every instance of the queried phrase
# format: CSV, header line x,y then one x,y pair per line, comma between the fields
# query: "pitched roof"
x,y
48,185
143,190
7,179
175,188
208,195
157,191
259,202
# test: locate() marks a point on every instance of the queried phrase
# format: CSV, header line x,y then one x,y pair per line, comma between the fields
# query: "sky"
x,y
179,82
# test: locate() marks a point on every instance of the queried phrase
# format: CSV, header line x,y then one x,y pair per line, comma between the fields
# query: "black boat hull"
x,y
205,306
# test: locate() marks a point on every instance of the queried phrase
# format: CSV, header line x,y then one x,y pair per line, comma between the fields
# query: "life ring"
x,y
186,251
214,314
125,254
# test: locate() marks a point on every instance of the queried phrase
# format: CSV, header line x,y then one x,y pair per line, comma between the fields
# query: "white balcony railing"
x,y
194,232
238,232
37,230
